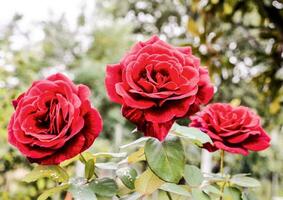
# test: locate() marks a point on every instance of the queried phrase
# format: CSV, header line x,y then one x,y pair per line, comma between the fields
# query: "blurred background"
x,y
240,41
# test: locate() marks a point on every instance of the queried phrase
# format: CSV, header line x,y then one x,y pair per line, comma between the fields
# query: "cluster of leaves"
x,y
62,49
166,172
241,44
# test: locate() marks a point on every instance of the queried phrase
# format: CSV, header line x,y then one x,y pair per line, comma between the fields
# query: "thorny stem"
x,y
169,196
83,158
95,174
222,154
222,189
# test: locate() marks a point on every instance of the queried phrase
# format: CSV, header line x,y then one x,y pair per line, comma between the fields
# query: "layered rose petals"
x,y
54,121
233,129
157,83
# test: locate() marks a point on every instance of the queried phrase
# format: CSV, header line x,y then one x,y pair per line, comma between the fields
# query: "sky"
x,y
37,10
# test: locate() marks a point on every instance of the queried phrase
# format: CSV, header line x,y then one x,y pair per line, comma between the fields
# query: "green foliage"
x,y
193,175
239,41
89,169
197,194
128,176
104,187
193,134
134,143
166,159
53,172
176,189
80,192
232,193
147,183
80,188
244,181
136,156
212,190
53,191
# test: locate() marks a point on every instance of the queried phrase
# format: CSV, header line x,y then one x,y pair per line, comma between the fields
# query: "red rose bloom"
x,y
156,84
54,121
233,129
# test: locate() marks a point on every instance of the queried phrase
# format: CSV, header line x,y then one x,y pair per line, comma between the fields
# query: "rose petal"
x,y
92,127
61,77
232,149
113,76
157,130
131,101
133,114
169,111
70,150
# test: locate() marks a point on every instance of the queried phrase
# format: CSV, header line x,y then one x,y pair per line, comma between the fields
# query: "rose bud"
x,y
232,129
54,121
156,84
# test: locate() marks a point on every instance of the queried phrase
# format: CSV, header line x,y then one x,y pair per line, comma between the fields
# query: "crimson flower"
x,y
232,129
156,84
54,121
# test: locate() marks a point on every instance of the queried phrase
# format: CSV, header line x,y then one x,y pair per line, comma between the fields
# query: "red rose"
x,y
156,84
233,129
54,121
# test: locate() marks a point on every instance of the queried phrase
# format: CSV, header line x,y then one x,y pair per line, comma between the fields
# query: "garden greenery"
x,y
156,83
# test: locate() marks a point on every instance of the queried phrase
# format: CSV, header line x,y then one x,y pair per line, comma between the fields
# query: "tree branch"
x,y
272,13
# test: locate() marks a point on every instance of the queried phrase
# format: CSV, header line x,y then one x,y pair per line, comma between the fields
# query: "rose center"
x,y
52,119
156,77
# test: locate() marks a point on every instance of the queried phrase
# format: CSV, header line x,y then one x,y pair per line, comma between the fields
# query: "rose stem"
x,y
222,154
95,174
169,195
68,196
83,158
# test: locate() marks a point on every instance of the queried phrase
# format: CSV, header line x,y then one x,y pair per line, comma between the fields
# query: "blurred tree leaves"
x,y
241,42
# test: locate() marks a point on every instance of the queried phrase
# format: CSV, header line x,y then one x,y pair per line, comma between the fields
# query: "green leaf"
x,y
81,192
133,196
244,196
110,155
136,156
244,181
193,175
211,177
177,189
166,159
242,175
231,193
69,161
52,191
107,166
128,176
134,143
147,183
89,169
199,195
210,189
104,187
193,134
54,172
85,156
